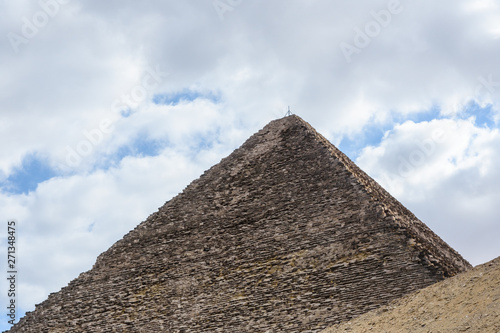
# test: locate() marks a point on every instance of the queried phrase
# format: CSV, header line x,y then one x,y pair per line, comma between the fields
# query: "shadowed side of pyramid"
x,y
285,235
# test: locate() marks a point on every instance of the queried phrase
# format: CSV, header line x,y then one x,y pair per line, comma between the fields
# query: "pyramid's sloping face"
x,y
284,235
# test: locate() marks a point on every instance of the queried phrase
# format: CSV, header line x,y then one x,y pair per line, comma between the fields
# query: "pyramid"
x,y
286,234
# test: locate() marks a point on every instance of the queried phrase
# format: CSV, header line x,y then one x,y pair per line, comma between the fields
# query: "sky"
x,y
108,109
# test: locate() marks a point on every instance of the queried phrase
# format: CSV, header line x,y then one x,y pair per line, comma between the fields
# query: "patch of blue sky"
x,y
90,228
141,146
20,312
483,116
26,177
125,113
186,95
372,134
423,116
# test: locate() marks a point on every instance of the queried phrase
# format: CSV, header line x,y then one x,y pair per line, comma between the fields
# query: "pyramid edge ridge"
x,y
414,227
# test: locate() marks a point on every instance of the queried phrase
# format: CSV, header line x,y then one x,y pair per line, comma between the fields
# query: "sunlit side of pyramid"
x,y
286,234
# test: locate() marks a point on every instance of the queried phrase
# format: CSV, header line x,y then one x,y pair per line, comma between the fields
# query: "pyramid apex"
x,y
286,234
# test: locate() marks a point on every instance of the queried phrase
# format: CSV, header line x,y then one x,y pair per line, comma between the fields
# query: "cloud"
x,y
82,90
68,221
445,171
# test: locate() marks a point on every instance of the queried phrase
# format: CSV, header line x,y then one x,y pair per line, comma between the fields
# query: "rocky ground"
x,y
468,302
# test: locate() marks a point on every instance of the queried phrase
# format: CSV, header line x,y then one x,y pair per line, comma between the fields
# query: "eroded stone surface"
x,y
284,235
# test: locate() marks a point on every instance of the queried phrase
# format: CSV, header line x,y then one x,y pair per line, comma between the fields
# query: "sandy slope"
x,y
468,302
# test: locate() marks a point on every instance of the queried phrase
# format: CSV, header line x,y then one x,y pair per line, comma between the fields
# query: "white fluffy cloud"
x,y
91,61
68,221
446,172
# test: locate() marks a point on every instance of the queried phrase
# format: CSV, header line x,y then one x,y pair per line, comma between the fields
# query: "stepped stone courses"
x,y
284,235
